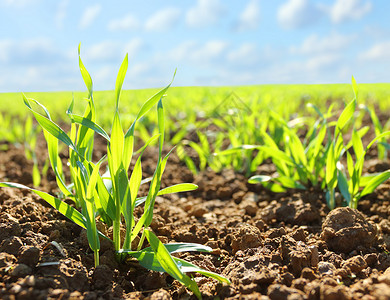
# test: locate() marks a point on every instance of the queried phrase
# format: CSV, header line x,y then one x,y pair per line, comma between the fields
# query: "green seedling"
x,y
383,146
30,141
112,196
350,185
336,176
298,164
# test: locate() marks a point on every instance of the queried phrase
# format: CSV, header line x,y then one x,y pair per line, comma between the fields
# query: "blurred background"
x,y
210,42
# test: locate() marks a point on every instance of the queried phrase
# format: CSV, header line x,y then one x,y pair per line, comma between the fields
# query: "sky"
x,y
209,42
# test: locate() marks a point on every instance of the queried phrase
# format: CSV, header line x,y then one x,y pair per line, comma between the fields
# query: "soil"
x,y
271,246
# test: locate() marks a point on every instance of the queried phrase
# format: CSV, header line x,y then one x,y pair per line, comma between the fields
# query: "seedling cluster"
x,y
111,196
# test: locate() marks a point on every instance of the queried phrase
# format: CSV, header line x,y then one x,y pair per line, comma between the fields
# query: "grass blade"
x,y
169,265
86,77
65,209
374,183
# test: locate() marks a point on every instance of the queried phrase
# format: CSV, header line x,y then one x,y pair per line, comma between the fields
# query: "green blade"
x,y
50,126
177,188
129,136
343,186
374,183
357,144
174,248
88,123
345,116
120,78
116,144
169,265
259,179
86,77
65,209
148,259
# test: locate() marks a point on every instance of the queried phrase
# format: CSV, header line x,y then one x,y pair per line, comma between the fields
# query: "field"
x,y
292,199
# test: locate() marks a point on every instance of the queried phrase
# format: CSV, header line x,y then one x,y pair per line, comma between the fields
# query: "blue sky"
x,y
210,42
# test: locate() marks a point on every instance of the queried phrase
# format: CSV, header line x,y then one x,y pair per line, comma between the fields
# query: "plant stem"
x,y
141,241
117,229
96,257
354,203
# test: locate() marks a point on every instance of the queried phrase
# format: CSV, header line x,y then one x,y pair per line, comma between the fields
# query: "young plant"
x,y
30,141
382,144
352,186
112,196
298,164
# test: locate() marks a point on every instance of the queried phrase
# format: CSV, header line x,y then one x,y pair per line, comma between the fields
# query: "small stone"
x,y
385,226
11,245
161,294
29,255
198,211
59,294
326,268
308,274
21,270
315,257
299,235
355,264
343,272
335,293
76,295
246,237
371,259
15,289
249,206
277,291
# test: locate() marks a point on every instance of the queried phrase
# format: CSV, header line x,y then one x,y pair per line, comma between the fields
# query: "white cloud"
x,y
29,52
378,52
60,16
133,47
205,13
250,17
323,61
103,51
18,3
315,44
129,22
89,15
112,51
298,13
199,53
163,20
246,54
346,10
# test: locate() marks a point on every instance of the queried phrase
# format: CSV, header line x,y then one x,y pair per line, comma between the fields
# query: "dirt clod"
x,y
344,229
29,255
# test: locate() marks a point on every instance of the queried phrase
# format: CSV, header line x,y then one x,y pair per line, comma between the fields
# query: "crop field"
x,y
245,192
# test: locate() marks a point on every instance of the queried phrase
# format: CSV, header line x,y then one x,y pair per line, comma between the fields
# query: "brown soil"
x,y
271,246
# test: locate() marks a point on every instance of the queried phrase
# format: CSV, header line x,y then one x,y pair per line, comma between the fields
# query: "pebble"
x,y
29,255
21,270
326,268
355,264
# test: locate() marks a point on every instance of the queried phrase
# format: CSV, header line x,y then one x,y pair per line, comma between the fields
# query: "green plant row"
x,y
323,158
